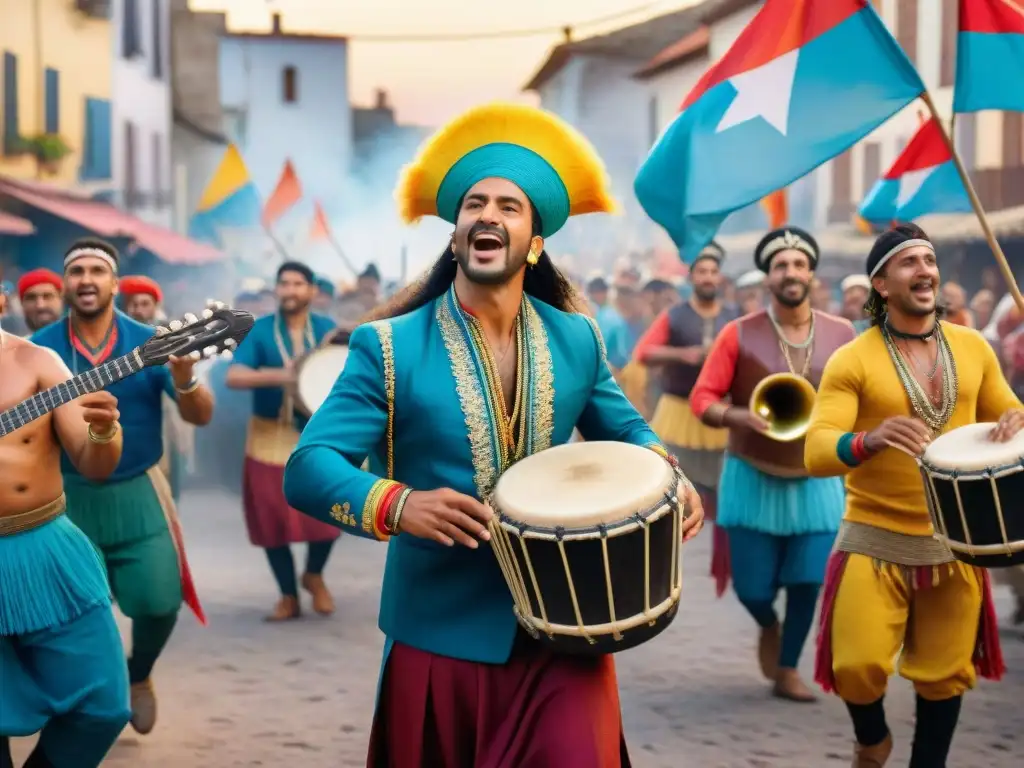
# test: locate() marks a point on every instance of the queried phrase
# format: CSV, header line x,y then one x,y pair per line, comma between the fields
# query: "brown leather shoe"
x,y
323,603
286,609
768,649
143,699
872,757
789,686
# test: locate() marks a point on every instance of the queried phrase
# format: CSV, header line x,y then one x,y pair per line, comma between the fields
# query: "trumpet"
x,y
785,401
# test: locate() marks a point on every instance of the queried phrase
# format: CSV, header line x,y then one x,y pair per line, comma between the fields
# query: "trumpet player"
x,y
781,524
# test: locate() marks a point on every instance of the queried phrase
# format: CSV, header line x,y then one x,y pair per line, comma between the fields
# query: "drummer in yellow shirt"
x,y
890,584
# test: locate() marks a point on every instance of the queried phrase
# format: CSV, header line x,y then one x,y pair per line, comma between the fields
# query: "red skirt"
x,y
269,519
539,710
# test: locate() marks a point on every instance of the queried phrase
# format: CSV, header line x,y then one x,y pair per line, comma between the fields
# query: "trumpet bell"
x,y
785,401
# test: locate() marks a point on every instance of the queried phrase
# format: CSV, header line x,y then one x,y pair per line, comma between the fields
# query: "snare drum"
x,y
317,373
588,536
975,493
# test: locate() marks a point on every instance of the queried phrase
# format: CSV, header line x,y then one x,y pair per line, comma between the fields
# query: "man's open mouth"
x,y
488,242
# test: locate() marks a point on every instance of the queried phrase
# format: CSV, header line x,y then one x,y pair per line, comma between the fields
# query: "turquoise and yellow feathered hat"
x,y
549,160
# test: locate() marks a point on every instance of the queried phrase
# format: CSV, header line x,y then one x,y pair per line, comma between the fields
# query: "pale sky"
x,y
430,82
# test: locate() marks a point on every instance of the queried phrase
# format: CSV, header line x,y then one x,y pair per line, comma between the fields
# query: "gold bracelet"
x,y
396,521
104,439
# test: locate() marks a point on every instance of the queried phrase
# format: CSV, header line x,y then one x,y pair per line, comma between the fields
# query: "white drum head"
x,y
578,485
318,373
968,449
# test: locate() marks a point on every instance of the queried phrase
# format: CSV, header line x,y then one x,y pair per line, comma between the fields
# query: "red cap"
x,y
133,285
36,277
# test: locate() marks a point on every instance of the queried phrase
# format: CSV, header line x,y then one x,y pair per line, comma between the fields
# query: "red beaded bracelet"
x,y
858,448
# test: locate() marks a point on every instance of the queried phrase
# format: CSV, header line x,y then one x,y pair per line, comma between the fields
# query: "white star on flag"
x,y
764,92
910,183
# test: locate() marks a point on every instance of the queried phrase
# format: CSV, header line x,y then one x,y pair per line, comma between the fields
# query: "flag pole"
x,y
993,244
277,243
341,254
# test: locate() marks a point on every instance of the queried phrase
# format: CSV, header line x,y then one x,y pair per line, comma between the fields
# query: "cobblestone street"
x,y
244,693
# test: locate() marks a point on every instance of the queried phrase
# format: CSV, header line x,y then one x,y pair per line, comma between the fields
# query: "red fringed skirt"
x,y
269,519
538,710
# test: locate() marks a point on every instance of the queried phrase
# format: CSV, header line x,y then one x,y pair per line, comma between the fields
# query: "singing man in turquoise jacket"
x,y
488,359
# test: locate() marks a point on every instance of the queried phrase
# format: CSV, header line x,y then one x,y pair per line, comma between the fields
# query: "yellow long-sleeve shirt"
x,y
859,389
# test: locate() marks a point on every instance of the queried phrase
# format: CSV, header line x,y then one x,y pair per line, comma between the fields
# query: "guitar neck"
x,y
92,380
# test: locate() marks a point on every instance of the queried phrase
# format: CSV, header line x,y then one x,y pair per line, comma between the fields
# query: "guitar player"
x,y
58,637
130,516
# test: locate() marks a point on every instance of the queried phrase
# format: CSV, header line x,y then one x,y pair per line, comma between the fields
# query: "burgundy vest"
x,y
688,329
759,356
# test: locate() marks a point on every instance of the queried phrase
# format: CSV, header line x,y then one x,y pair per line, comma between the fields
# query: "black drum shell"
x,y
977,496
586,564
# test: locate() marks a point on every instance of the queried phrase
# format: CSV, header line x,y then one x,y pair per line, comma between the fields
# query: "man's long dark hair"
x,y
543,281
876,306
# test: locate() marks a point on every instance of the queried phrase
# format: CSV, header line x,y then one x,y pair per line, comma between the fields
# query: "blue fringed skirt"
x,y
749,498
50,576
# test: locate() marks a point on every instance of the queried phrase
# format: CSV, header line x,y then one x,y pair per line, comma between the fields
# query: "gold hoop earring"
x,y
532,258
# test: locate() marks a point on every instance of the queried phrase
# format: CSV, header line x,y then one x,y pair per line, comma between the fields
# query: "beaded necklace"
x,y
785,345
308,343
510,426
934,417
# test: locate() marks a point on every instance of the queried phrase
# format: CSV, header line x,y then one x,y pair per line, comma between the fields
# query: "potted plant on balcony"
x,y
49,150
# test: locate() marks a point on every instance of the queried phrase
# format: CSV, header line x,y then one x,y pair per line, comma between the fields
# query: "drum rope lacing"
x,y
935,418
503,549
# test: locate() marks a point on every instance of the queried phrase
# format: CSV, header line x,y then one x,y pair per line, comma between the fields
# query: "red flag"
x,y
320,229
286,194
776,206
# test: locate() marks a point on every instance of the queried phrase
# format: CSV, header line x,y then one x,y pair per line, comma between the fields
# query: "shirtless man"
x,y
61,659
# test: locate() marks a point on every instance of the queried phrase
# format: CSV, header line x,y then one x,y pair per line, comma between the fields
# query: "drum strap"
x,y
891,546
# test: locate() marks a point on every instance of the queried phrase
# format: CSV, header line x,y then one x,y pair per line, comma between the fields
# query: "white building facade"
x,y
590,84
286,97
991,144
141,114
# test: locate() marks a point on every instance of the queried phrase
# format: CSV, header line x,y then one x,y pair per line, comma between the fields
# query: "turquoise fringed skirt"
x,y
749,498
49,576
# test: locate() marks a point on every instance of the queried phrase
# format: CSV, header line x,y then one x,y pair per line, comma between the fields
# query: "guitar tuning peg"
x,y
210,351
161,330
191,319
221,305
175,325
196,356
226,354
230,343
211,302
207,313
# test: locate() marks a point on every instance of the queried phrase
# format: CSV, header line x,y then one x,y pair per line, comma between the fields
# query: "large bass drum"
x,y
588,537
975,493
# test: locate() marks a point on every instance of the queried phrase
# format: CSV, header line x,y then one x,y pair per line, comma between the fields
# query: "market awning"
x,y
107,221
15,225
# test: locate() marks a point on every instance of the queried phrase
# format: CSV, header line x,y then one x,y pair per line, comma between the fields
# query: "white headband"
x,y
899,249
99,253
787,241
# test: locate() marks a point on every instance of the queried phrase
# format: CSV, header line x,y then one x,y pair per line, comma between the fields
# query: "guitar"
x,y
219,328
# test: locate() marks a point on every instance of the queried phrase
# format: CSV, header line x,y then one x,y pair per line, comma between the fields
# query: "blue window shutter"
x,y
96,157
104,139
52,101
12,134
